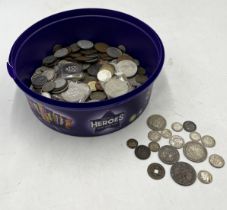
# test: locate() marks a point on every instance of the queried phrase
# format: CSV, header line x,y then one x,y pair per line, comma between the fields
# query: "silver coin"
x,y
216,161
154,146
38,81
60,84
48,87
85,44
156,122
176,141
195,151
168,154
49,74
104,75
133,82
76,92
166,133
115,87
154,136
195,136
208,141
61,53
49,60
113,52
205,177
176,126
127,67
45,94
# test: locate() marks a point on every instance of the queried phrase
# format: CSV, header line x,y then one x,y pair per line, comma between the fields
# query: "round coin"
x,y
122,48
195,136
38,81
142,152
166,133
49,60
183,173
132,143
189,126
60,84
127,67
141,78
156,171
98,95
168,154
154,136
216,161
156,122
104,75
101,47
85,44
49,74
195,151
208,141
176,126
205,177
176,141
154,146
61,53
94,69
48,87
113,52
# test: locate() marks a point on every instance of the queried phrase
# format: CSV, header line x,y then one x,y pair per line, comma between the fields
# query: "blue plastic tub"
x,y
87,119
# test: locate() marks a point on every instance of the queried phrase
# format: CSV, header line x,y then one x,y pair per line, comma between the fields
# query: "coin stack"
x,y
87,72
194,150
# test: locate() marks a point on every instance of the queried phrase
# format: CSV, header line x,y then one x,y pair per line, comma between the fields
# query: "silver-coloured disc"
x,y
154,136
195,136
205,177
156,122
166,133
49,74
127,67
176,126
46,94
176,141
216,161
104,75
85,44
61,53
208,141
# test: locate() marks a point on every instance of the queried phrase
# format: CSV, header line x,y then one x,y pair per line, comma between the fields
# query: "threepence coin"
x,y
156,171
168,154
216,161
189,126
205,177
166,133
142,152
176,141
176,126
208,141
154,146
132,143
195,136
156,122
154,136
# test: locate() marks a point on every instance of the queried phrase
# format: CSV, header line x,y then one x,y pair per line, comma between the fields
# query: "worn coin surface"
x,y
154,146
49,86
168,154
49,74
132,143
176,126
166,133
142,152
38,81
205,177
208,141
85,44
195,136
156,171
61,53
127,67
141,78
156,122
94,69
101,47
195,151
183,173
154,135
113,52
104,75
98,95
176,141
189,126
216,161
49,60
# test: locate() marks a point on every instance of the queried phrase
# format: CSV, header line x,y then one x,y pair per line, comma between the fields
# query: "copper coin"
x,y
101,47
142,152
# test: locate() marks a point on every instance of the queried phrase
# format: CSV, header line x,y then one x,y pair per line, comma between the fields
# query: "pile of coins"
x,y
87,72
194,150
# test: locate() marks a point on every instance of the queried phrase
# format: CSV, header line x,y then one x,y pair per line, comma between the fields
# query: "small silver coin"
x,y
85,44
104,75
195,151
38,81
154,136
49,74
48,87
122,48
156,122
176,141
168,154
127,67
156,171
154,146
74,48
115,87
45,94
61,53
176,126
49,60
208,141
216,161
189,126
205,177
113,52
142,152
195,136
166,133
60,84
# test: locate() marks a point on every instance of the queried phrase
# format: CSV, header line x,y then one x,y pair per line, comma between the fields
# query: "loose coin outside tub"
x,y
154,136
216,161
168,154
176,141
132,143
156,122
205,177
208,141
189,126
156,171
195,136
142,152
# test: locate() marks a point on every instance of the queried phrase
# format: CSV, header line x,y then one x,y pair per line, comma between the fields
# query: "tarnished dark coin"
x,y
60,84
74,48
195,151
85,44
154,136
141,78
61,53
94,69
56,47
49,60
156,122
141,71
39,81
208,141
48,87
90,53
154,146
156,171
189,126
101,47
142,152
98,95
132,143
183,173
113,52
168,154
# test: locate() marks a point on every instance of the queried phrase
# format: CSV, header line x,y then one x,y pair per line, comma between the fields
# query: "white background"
x,y
43,169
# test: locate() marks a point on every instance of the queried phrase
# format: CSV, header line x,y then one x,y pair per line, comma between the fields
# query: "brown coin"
x,y
142,152
189,126
132,143
154,146
124,57
101,47
156,171
183,173
168,154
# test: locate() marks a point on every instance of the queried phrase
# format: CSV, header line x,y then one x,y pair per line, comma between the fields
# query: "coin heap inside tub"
x,y
195,150
87,72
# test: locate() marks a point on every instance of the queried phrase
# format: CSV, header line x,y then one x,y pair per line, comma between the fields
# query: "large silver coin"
x,y
216,161
176,126
61,53
176,141
205,177
168,154
154,136
195,136
127,67
195,151
208,141
85,44
156,122
115,87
